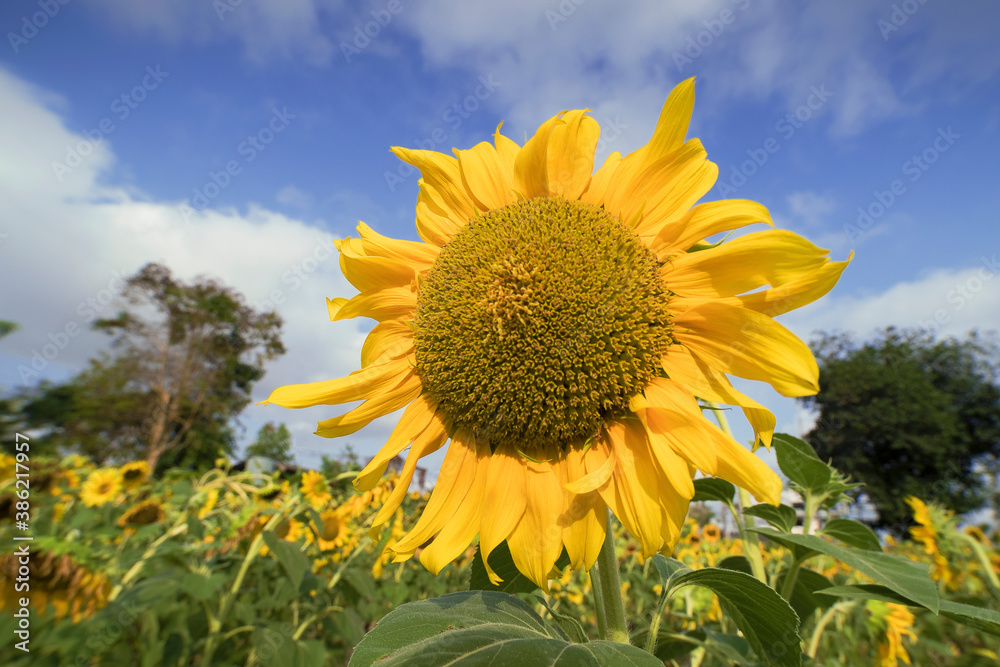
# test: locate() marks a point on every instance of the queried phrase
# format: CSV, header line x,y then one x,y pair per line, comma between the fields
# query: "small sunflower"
x,y
101,487
134,474
556,325
332,525
896,621
143,514
315,488
211,500
711,533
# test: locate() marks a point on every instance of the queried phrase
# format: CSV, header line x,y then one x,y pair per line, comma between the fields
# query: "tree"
x,y
274,442
186,357
908,415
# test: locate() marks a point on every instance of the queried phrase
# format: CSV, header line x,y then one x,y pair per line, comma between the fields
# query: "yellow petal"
x,y
744,469
673,413
487,176
672,185
359,384
707,219
373,273
772,257
633,492
536,541
434,223
743,342
584,522
419,255
559,159
441,184
672,125
458,532
507,149
377,406
707,383
381,305
592,480
387,340
419,418
455,479
505,499
796,293
426,443
601,179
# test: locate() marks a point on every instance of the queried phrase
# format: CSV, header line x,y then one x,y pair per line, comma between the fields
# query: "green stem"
x,y
790,578
595,587
654,623
751,545
824,620
611,589
984,560
146,555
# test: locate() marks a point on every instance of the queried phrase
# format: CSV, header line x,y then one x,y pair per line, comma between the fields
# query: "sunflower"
x,y
101,487
211,500
315,488
554,327
143,514
897,623
711,533
332,524
134,474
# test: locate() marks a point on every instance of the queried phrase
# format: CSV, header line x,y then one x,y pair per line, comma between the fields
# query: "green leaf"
x,y
290,556
482,627
852,533
668,567
979,618
200,587
804,599
503,564
869,592
713,488
906,577
570,624
800,464
738,563
767,622
781,517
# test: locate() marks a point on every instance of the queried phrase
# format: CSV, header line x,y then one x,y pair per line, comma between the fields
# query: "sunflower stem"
x,y
595,588
611,588
751,545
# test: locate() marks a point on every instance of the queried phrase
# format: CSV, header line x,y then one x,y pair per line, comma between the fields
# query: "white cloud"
x,y
293,196
810,207
69,243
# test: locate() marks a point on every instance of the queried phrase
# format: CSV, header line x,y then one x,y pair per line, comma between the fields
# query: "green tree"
x,y
186,357
9,406
274,442
909,415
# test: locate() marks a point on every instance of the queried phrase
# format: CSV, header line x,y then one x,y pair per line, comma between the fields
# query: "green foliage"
x,y
186,357
482,627
908,415
274,442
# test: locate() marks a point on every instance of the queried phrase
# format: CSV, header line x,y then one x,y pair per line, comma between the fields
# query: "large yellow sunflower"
x,y
101,487
554,327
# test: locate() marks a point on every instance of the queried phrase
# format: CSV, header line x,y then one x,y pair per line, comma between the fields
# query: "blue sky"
x,y
237,139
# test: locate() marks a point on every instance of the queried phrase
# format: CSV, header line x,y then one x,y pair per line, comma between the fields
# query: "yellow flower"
x,y
315,488
555,324
143,514
101,487
897,622
134,474
211,499
711,533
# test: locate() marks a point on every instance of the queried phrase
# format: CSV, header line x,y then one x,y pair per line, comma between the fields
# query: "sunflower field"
x,y
237,568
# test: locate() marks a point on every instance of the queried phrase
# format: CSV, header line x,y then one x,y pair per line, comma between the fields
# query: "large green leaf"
x,y
767,622
800,464
480,628
713,488
979,618
804,598
781,517
906,577
294,562
503,564
853,533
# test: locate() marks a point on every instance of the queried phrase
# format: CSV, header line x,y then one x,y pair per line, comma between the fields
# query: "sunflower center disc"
x,y
539,321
